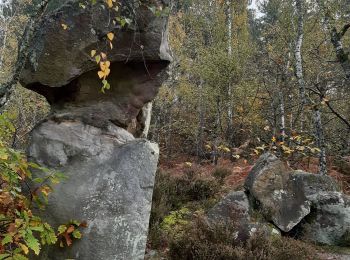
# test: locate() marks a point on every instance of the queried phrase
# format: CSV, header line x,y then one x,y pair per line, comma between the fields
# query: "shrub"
x,y
220,174
210,243
171,194
21,230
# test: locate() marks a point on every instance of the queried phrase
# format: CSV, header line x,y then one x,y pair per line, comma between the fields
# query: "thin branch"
x,y
344,30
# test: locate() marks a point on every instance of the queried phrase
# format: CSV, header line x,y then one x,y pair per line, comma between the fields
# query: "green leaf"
x,y
19,257
38,228
61,229
76,234
32,242
4,256
38,180
98,58
7,239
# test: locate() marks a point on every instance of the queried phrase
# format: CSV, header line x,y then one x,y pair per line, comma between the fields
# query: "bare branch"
x,y
344,30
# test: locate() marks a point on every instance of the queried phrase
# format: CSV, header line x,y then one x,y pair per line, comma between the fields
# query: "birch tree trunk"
x,y
299,61
201,121
336,39
283,116
229,89
320,141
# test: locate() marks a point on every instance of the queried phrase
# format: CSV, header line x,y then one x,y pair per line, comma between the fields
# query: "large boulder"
x,y
296,202
110,178
282,195
329,221
234,211
234,207
90,136
266,184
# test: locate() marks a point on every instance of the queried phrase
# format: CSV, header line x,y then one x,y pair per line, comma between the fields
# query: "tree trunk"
x,y
201,121
336,37
229,90
299,61
283,117
320,141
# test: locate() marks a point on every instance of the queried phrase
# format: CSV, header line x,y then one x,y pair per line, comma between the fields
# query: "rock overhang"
x,y
60,51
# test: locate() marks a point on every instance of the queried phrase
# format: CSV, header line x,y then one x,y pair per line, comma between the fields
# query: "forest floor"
x,y
239,170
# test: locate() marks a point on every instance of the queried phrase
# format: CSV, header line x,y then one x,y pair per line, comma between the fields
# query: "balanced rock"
x,y
90,135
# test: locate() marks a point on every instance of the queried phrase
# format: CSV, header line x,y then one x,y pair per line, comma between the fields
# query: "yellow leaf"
x,y
103,66
226,150
103,55
93,53
64,26
45,190
107,71
101,74
110,36
188,164
109,3
24,248
273,139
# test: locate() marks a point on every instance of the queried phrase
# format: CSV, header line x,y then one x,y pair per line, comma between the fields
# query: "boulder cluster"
x,y
280,200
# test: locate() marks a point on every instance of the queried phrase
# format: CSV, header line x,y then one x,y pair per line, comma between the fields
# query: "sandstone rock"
x,y
110,183
329,222
267,183
268,174
90,136
233,212
232,208
282,194
60,55
61,69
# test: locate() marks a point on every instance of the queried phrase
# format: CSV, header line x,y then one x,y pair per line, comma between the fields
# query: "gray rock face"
x,y
282,194
310,202
110,183
232,208
60,55
329,222
61,68
267,184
